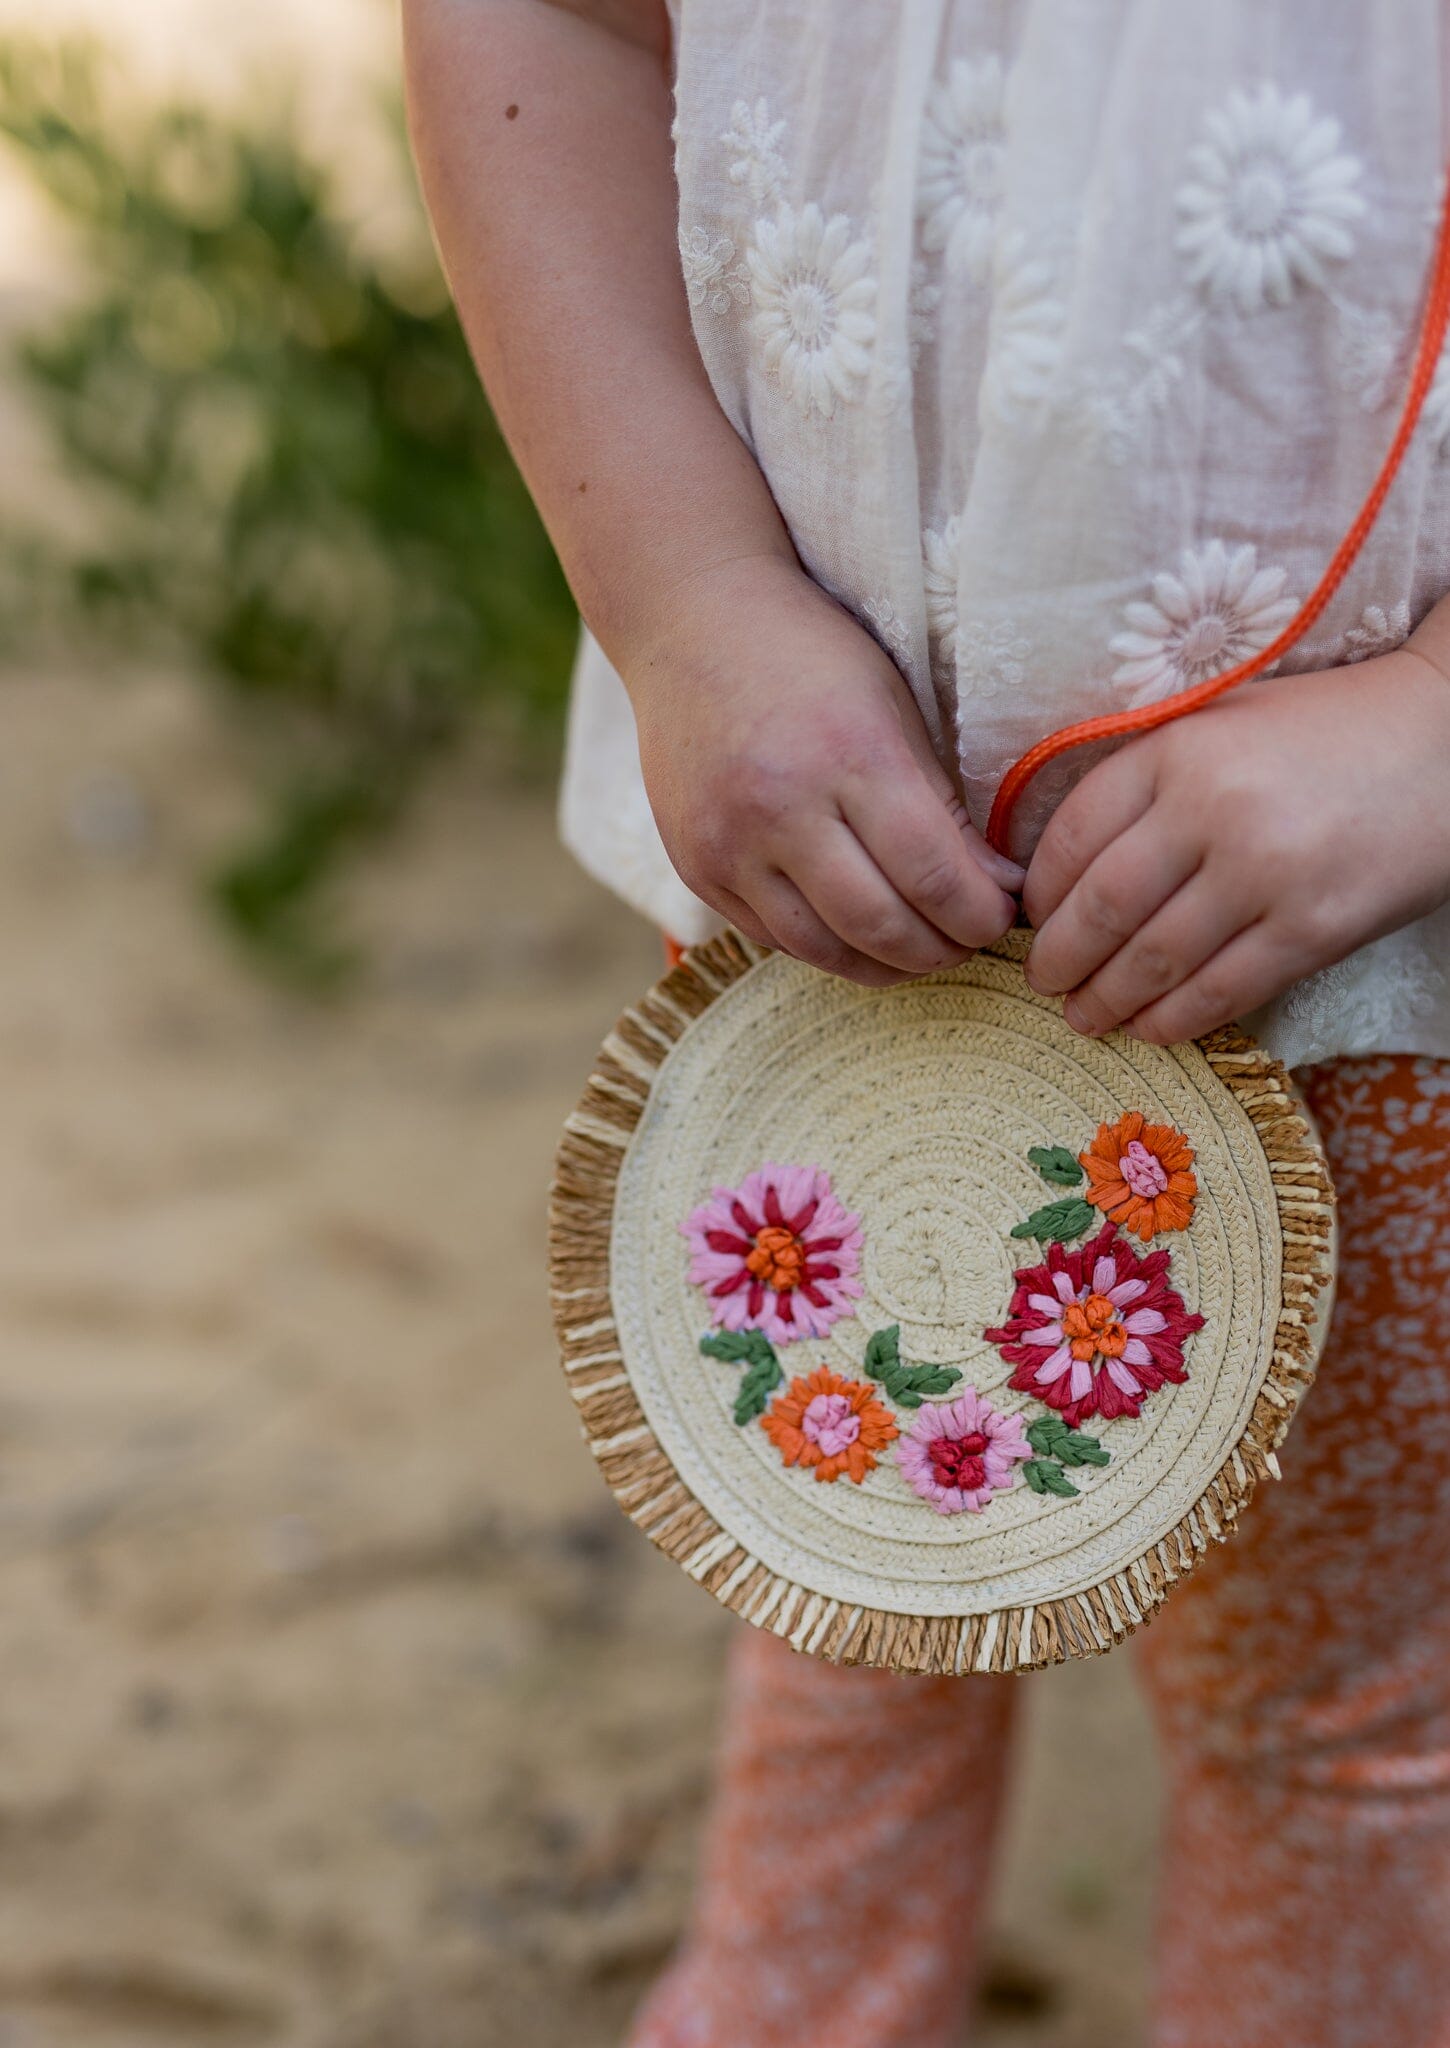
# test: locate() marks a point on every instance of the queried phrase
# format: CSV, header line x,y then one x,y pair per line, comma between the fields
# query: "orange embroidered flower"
x,y
1138,1174
833,1424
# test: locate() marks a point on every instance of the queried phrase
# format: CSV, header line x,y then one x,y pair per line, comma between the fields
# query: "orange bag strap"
x,y
1148,716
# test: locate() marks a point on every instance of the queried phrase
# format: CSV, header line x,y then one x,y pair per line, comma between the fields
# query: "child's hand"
x,y
1207,866
795,787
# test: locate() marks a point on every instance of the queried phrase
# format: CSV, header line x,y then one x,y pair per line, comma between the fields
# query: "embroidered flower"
x,y
1217,611
1354,1005
940,547
709,279
757,164
1092,1331
1368,348
830,1424
961,165
779,1253
1025,340
1138,1174
883,619
923,302
1435,414
815,306
1114,410
991,657
957,1454
1378,632
1270,196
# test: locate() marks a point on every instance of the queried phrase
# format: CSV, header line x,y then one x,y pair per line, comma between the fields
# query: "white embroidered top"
x,y
1112,305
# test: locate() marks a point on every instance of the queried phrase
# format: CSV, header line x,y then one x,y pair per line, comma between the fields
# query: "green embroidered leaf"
x,y
738,1347
907,1385
1057,1222
1051,1438
754,1350
1054,1441
756,1388
1056,1164
1046,1433
913,1383
883,1351
1077,1449
1045,1475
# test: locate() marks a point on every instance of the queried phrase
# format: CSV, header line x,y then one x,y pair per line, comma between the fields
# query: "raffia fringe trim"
x,y
654,1497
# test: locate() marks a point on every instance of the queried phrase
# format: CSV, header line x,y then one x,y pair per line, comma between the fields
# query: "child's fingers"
x,y
851,896
1166,952
1110,798
1251,969
912,836
1115,897
796,929
740,914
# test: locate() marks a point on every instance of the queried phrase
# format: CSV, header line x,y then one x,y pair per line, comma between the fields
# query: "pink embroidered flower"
x,y
779,1253
1093,1330
957,1454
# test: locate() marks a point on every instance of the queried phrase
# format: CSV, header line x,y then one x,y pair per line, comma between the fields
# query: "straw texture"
x,y
921,1103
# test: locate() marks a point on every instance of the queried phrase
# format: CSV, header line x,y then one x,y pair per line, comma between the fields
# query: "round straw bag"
x,y
919,1329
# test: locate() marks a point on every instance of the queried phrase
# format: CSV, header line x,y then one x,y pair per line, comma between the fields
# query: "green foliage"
x,y
1056,1222
1054,1438
753,1350
297,484
1044,1475
1057,1445
907,1385
1056,1164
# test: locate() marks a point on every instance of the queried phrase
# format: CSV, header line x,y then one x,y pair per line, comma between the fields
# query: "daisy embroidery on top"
x,y
779,1253
706,262
815,301
992,656
1269,199
755,139
1378,632
1024,350
1435,418
961,166
1218,610
940,547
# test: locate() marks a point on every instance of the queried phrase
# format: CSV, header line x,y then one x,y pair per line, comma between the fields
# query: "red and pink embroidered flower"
x,y
1091,1331
779,1253
957,1454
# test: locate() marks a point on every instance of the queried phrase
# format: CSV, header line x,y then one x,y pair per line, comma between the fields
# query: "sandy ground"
x,y
342,1709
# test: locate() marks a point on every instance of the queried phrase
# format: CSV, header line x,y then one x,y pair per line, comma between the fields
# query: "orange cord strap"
x,y
1148,716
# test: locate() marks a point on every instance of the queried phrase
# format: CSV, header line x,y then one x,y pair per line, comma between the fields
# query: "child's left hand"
x,y
1206,867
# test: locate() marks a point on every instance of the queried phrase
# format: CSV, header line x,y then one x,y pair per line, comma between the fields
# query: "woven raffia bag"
x,y
918,1202
917,1328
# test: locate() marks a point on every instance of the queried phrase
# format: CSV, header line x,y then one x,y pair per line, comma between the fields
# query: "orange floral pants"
x,y
1300,1683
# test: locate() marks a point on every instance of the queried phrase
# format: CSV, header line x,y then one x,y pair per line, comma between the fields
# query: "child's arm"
x,y
1211,864
788,767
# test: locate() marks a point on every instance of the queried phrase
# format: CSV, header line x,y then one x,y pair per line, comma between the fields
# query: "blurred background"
x,y
340,1709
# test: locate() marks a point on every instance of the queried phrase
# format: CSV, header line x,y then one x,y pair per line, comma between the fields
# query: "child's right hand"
x,y
794,783
789,770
